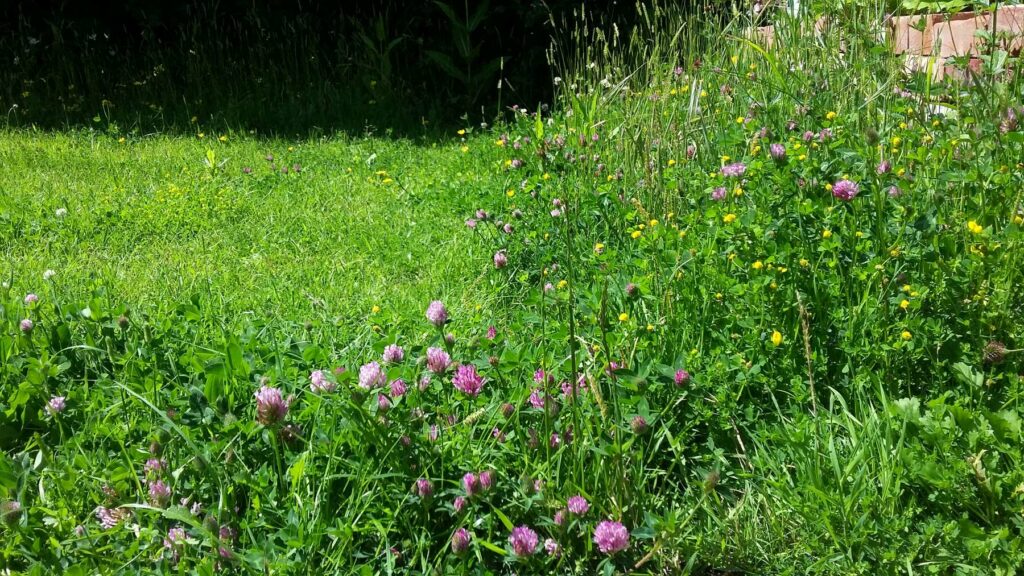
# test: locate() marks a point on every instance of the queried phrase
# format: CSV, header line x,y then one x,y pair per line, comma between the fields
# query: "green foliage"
x,y
760,307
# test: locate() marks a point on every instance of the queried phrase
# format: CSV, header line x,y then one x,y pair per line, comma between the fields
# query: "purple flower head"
x,y
516,163
523,541
424,383
808,136
175,538
682,377
691,151
791,125
559,518
577,505
154,466
398,388
459,504
468,380
555,441
883,167
159,493
393,354
894,191
549,287
556,213
26,325
539,376
460,541
111,517
56,405
611,537
825,135
639,424
437,314
10,512
481,214
471,483
552,547
845,190
486,480
371,376
508,409
718,194
498,435
424,488
678,70
500,259
492,333
31,299
734,170
383,403
318,382
777,151
471,223
537,399
271,407
434,432
449,339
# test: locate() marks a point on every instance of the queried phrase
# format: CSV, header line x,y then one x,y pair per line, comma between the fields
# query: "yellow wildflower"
x,y
598,247
729,218
636,234
757,265
905,304
831,116
974,227
804,262
826,234
906,335
776,338
375,309
623,317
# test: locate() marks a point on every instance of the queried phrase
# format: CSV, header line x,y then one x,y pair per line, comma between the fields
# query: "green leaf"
x,y
492,547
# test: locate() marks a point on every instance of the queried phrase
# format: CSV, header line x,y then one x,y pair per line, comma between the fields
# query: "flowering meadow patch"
x,y
695,323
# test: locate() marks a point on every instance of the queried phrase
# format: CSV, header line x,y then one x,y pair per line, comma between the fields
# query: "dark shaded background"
x,y
282,66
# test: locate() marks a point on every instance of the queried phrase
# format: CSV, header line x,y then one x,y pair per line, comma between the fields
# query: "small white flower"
x,y
49,274
61,212
86,313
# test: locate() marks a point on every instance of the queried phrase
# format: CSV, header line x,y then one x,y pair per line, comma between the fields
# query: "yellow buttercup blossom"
x,y
510,193
831,116
804,262
671,162
729,218
598,247
734,59
375,309
776,338
737,192
682,233
757,265
826,234
223,138
499,142
1018,220
895,252
905,304
653,223
974,227
623,317
464,149
740,119
636,234
650,327
546,176
906,335
562,284
461,132
828,186
802,157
